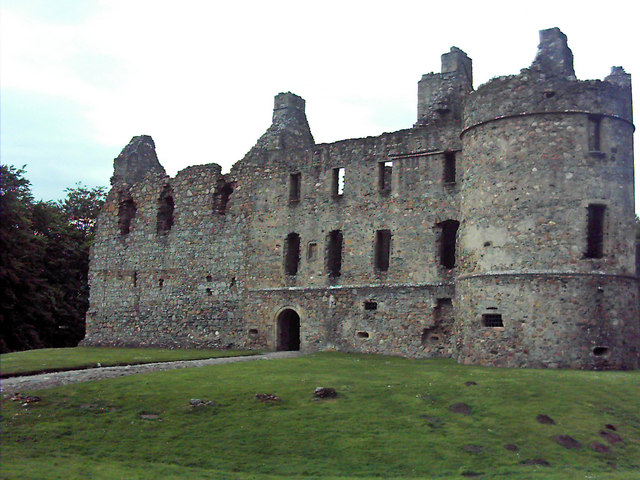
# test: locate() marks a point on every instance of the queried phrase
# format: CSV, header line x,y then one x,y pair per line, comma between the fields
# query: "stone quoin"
x,y
498,230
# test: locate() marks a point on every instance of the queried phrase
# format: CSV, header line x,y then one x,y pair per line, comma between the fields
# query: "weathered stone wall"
x,y
539,148
464,236
179,288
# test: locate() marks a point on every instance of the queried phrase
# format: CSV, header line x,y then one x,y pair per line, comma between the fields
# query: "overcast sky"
x,y
79,78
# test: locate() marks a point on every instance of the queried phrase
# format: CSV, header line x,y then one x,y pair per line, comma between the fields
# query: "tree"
x,y
44,262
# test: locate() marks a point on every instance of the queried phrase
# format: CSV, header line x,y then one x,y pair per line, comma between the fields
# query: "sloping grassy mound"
x,y
55,359
393,418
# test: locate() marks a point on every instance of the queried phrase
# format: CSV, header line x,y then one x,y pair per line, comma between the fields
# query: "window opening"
x,y
337,188
595,230
135,278
126,214
209,292
599,351
449,167
362,334
595,124
370,305
334,253
385,171
312,251
492,320
294,187
449,228
292,254
165,211
161,282
221,196
382,250
209,278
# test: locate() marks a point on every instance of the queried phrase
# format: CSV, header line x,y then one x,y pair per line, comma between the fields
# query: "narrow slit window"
x,y
595,124
449,175
385,172
448,231
595,230
292,254
334,253
165,211
126,213
492,320
312,251
382,250
337,187
294,187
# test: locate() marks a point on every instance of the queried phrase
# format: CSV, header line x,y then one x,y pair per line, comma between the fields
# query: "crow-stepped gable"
x,y
498,230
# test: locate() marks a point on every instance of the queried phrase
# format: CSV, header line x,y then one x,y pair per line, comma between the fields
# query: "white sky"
x,y
79,78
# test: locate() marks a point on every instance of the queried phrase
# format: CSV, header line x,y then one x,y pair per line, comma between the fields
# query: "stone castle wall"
x,y
498,230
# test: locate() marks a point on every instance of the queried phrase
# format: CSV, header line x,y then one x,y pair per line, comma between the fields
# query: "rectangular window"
x,y
334,253
595,122
382,250
312,251
292,254
595,230
449,175
385,171
449,228
492,320
294,187
337,182
370,305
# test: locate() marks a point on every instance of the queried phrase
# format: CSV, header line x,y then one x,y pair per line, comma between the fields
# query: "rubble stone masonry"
x,y
498,230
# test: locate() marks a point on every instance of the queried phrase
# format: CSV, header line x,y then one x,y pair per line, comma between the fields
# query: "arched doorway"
x,y
288,330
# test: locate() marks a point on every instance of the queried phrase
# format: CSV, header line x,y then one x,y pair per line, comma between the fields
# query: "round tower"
x,y
546,276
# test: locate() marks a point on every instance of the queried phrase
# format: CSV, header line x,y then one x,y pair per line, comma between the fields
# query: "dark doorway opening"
x,y
288,330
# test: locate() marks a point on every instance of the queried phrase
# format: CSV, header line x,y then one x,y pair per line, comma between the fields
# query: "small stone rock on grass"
x,y
567,441
462,408
545,419
325,392
610,437
198,402
268,397
25,399
600,448
512,447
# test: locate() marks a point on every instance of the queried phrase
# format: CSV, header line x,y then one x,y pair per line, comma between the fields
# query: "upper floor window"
x,y
334,253
382,250
294,187
126,213
448,231
292,254
337,182
595,125
165,211
595,230
449,170
221,196
385,171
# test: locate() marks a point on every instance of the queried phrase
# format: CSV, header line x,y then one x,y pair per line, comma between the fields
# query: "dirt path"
x,y
49,380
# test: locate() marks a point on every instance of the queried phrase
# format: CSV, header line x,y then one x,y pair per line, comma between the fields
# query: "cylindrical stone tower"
x,y
546,274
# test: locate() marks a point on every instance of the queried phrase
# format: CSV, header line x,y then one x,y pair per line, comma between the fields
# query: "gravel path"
x,y
49,380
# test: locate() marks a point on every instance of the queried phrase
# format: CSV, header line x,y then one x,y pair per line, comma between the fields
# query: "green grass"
x,y
50,359
391,420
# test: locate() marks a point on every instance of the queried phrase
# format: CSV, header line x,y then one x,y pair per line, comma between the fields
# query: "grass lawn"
x,y
392,419
50,359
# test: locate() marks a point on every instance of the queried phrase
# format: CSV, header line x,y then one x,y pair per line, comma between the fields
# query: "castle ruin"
x,y
498,230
